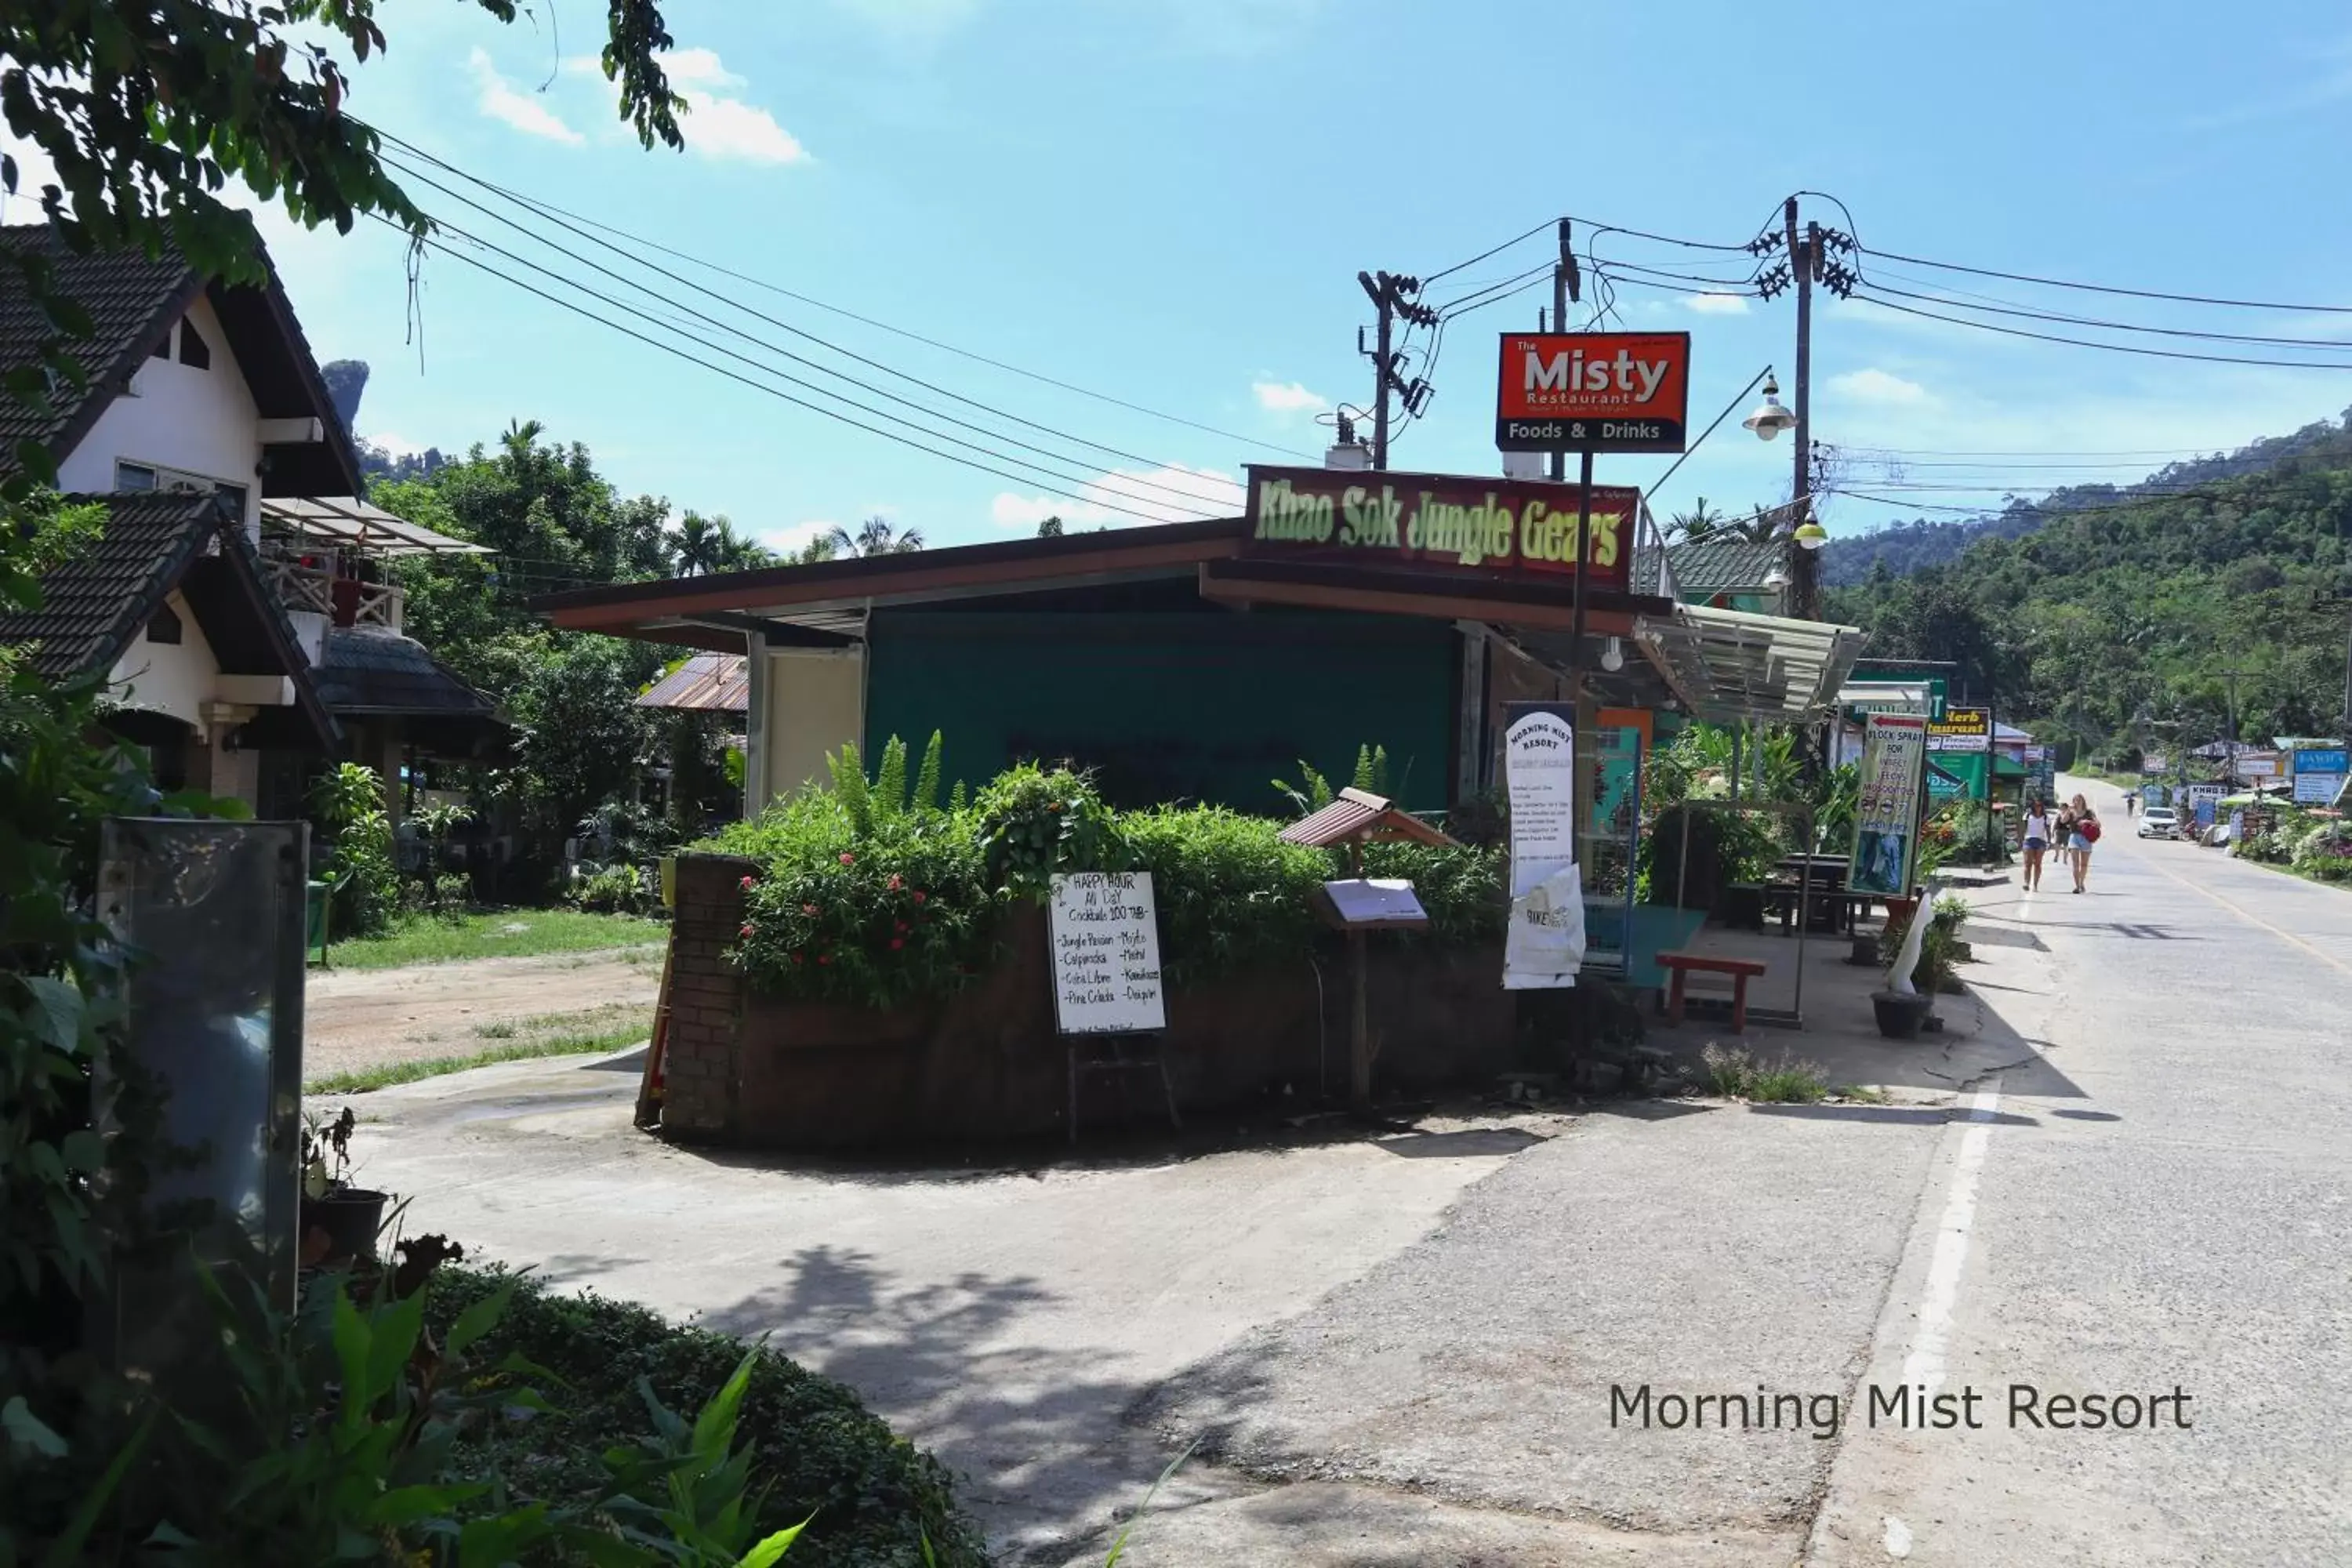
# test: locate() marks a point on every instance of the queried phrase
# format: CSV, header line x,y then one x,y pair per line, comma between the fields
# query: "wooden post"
x,y
1360,1033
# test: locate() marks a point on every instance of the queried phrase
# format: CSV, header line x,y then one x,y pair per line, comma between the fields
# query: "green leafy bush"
x,y
814,1447
611,889
347,807
868,893
1231,894
1036,821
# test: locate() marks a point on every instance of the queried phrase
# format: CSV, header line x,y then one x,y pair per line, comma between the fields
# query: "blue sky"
x,y
1169,204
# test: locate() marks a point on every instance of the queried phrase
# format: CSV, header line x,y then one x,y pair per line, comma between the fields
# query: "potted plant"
x,y
340,1221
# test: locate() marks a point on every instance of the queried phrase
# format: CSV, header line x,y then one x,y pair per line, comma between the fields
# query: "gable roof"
x,y
1725,564
133,300
94,606
381,672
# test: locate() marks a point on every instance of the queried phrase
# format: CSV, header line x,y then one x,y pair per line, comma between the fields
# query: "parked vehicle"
x,y
2159,822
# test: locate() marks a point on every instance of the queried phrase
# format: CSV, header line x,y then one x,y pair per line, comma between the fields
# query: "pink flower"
x,y
895,883
796,958
847,858
745,932
902,927
824,958
808,909
919,895
896,942
745,884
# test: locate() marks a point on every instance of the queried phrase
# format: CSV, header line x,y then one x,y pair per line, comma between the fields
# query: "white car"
x,y
2159,822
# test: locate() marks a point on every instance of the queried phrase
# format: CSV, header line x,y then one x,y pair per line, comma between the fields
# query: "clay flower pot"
x,y
1900,1016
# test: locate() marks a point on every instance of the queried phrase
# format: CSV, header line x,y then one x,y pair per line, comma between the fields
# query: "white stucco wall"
x,y
168,677
198,421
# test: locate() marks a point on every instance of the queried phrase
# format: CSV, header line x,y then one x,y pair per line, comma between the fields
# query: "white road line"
x,y
1932,1340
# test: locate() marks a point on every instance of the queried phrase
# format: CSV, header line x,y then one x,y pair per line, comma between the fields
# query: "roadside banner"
x,y
2204,799
1886,807
2317,789
1544,946
2154,763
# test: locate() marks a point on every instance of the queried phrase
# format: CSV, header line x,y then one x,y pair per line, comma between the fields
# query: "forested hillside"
x,y
2113,619
1903,548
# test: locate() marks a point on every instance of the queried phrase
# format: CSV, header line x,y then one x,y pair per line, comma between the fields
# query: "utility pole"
x,y
1804,254
1393,294
2232,677
1564,288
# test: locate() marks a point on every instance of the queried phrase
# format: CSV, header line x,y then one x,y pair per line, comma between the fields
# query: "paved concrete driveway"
x,y
1008,1320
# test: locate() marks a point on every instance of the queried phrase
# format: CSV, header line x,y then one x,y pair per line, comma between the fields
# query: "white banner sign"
x,y
1544,947
1105,931
2317,789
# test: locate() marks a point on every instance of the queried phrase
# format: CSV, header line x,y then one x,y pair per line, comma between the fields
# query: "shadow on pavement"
x,y
969,1368
1922,1116
1470,1142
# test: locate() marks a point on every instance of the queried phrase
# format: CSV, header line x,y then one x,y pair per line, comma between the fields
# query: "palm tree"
x,y
1698,523
709,544
875,536
1762,525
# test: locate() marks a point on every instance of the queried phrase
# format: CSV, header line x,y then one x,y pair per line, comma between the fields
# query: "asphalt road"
x,y
2170,1210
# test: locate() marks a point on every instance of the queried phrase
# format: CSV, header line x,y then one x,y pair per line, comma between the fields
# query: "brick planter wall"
x,y
755,1070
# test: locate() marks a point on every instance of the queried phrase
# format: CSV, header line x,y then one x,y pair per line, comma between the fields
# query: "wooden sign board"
x,y
1104,928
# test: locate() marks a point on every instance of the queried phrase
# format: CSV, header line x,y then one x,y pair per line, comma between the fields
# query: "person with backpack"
x,y
2085,834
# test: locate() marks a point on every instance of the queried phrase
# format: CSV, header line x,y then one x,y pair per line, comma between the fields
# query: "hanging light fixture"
x,y
1809,534
1771,416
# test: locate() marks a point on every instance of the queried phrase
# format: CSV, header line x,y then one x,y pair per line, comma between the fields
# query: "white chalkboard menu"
x,y
1105,931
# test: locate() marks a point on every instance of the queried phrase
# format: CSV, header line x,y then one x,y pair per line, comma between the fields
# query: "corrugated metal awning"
x,y
347,519
1729,664
706,683
1358,816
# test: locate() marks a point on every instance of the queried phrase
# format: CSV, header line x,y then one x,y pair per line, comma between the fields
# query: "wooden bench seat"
x,y
1741,970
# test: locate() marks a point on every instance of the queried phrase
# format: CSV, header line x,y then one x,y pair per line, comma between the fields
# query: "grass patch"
x,y
1736,1074
814,1450
492,933
362,1079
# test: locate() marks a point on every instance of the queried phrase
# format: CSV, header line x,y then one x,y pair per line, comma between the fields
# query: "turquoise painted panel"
x,y
1171,705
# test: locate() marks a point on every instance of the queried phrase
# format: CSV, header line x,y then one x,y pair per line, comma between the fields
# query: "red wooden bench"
x,y
1741,970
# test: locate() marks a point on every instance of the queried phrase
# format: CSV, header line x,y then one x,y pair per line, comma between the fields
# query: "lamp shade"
x,y
1810,536
1771,416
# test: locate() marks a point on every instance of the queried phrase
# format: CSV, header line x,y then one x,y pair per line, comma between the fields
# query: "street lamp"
x,y
1809,534
1771,416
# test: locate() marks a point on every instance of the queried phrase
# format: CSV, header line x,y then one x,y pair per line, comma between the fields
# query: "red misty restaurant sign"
x,y
1593,391
1456,522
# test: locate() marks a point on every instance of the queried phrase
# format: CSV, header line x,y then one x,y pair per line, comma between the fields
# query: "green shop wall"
x,y
1171,705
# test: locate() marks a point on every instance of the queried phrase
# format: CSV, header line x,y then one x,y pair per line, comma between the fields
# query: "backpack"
x,y
2089,829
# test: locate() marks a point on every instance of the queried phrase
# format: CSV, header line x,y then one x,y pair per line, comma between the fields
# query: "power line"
x,y
550,211
1497,250
2107,288
2000,309
2111,348
1189,495
675,352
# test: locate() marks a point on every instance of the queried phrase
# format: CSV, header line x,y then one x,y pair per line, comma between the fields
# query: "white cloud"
x,y
1717,304
795,536
1875,385
1171,493
717,123
394,446
731,129
501,102
1287,397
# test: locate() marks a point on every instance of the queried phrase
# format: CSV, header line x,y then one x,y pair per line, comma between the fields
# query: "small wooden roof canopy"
x,y
1358,816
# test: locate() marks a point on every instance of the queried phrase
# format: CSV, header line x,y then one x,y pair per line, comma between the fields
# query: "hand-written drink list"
x,y
1105,931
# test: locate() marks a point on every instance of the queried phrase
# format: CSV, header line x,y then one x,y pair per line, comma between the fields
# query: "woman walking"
x,y
2085,833
2037,841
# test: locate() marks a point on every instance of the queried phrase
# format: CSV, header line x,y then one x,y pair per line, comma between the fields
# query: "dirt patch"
x,y
364,1019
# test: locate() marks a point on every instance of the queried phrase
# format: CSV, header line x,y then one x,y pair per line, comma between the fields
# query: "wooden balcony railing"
x,y
345,601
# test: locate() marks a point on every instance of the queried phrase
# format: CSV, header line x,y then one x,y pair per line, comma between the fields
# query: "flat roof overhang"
x,y
829,599
1440,595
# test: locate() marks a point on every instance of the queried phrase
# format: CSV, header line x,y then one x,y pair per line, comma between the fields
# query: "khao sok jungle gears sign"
x,y
1544,946
1104,927
1593,391
1453,522
1886,807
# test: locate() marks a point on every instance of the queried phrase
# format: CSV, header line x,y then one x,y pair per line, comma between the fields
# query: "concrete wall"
x,y
177,417
752,1069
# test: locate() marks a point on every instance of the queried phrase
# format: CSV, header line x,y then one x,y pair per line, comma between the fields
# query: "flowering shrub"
x,y
879,917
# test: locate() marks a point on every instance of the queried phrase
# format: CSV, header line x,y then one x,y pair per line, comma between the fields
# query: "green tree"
x,y
875,536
